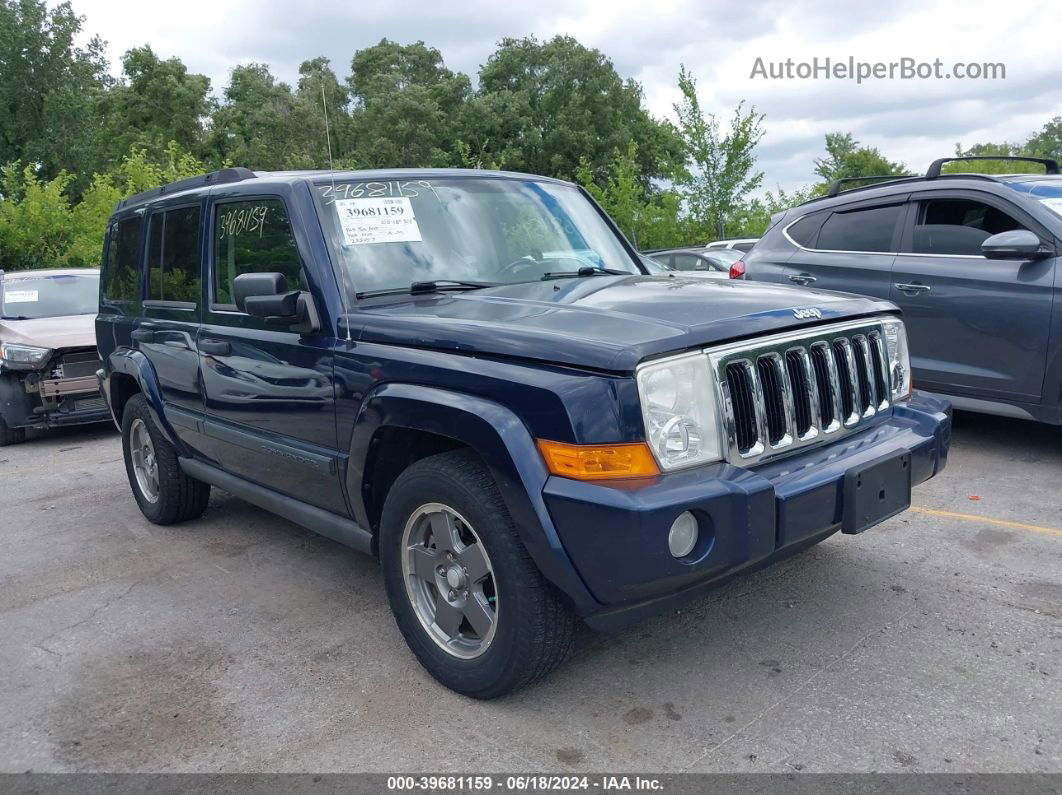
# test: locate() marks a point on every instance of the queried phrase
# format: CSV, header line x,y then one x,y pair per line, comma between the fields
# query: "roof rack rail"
x,y
837,184
225,175
1050,166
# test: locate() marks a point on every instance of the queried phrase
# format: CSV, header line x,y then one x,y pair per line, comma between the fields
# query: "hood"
x,y
73,331
606,323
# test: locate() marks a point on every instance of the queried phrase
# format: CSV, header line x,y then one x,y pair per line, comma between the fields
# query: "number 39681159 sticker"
x,y
382,220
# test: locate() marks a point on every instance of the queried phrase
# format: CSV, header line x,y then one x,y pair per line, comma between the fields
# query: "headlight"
x,y
899,359
23,357
680,412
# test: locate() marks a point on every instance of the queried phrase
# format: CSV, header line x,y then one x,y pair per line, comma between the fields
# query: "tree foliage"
x,y
846,159
721,166
75,140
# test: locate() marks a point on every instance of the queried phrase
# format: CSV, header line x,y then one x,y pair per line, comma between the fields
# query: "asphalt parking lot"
x,y
243,643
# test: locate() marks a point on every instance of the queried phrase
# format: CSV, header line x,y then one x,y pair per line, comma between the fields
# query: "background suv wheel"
x,y
469,600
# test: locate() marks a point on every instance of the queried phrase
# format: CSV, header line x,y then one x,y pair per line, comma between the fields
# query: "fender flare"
x,y
135,364
500,438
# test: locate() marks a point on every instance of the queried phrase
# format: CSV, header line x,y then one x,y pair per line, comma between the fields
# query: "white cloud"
x,y
910,120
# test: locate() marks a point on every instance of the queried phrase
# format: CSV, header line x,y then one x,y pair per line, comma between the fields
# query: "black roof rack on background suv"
x,y
1050,166
933,172
837,184
221,177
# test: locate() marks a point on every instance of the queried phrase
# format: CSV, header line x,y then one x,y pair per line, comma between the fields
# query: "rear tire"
x,y
9,436
164,493
502,625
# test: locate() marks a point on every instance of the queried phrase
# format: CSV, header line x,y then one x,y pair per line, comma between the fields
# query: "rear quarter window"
x,y
806,230
121,278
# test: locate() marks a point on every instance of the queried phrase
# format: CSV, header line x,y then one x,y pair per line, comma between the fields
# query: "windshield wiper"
x,y
588,270
14,317
436,286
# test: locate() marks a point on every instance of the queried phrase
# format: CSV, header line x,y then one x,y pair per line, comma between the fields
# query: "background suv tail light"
x,y
737,270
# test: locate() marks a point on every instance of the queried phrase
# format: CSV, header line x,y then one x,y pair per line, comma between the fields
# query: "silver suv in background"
x,y
971,259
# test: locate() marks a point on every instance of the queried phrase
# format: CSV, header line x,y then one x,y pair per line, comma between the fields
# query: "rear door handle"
x,y
801,278
142,335
913,288
215,347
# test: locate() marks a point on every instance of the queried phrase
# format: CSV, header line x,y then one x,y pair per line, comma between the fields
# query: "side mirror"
x,y
266,295
1017,244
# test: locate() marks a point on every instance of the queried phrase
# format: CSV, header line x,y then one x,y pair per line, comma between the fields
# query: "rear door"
x,y
172,308
976,326
849,248
269,396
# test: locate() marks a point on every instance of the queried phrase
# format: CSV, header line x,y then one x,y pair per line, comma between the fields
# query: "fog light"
x,y
683,536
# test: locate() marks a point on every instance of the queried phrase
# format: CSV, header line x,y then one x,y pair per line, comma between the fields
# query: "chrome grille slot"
x,y
773,398
861,352
743,405
881,370
790,391
798,365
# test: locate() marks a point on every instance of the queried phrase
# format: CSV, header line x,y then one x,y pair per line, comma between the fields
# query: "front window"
x,y
390,234
58,295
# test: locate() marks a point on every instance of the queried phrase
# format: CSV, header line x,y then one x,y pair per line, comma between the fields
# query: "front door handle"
x,y
802,278
215,347
142,335
913,288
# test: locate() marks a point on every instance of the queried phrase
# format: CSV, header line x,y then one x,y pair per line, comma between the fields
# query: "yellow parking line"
x,y
970,517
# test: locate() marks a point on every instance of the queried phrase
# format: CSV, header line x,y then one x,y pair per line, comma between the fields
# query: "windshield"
x,y
32,297
390,234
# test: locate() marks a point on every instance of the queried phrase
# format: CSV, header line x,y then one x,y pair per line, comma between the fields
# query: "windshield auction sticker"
x,y
24,296
383,220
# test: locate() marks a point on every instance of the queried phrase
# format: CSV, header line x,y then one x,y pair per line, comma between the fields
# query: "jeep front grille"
x,y
790,391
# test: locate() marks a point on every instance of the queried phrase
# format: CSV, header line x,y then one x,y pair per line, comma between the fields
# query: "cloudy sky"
x,y
911,120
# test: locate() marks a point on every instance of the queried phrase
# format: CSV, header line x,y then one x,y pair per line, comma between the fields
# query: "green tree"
x,y
753,217
43,225
157,101
543,106
721,167
846,159
49,89
648,222
406,106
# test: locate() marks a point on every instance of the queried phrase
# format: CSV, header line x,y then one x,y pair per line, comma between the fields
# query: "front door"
x,y
975,326
269,396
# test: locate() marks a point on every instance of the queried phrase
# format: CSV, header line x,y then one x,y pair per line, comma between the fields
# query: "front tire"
x,y
466,595
165,494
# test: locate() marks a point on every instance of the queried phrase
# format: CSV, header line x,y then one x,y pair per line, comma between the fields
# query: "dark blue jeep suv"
x,y
971,259
470,375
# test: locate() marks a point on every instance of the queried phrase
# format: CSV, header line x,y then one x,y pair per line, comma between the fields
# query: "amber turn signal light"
x,y
598,462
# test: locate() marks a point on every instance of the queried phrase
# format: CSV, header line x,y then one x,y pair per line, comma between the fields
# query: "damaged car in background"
x,y
48,357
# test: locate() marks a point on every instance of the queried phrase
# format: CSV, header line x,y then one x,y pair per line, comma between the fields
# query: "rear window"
x,y
120,278
867,230
173,256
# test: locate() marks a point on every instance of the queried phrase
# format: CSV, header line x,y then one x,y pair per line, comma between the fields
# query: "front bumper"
x,y
616,535
49,404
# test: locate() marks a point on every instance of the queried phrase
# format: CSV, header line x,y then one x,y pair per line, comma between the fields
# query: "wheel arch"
x,y
428,420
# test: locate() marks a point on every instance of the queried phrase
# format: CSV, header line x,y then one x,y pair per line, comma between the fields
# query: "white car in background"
x,y
737,243
691,262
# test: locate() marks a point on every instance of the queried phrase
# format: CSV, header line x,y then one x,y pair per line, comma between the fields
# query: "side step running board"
x,y
323,522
